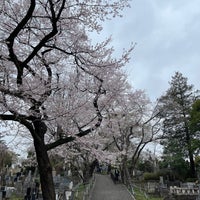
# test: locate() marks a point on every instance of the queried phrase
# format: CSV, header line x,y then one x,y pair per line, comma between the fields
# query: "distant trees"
x,y
176,165
178,120
6,160
5,156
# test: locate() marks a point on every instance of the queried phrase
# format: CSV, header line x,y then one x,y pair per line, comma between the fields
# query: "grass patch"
x,y
80,191
139,195
16,197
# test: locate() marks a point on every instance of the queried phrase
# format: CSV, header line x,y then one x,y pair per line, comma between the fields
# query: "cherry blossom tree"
x,y
84,152
132,124
53,81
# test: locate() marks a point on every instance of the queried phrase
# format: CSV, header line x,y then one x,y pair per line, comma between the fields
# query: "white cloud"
x,y
168,40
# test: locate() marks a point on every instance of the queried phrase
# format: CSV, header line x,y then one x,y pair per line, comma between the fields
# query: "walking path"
x,y
105,189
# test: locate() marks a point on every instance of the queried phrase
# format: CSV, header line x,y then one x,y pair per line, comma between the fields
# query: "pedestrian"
x,y
109,168
116,175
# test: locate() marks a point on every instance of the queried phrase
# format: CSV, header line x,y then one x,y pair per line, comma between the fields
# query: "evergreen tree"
x,y
175,107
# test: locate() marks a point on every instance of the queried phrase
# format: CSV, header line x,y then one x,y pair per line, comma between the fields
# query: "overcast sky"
x,y
167,33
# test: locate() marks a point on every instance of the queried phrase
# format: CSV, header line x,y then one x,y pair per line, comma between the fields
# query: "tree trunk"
x,y
126,178
190,153
192,166
45,171
86,173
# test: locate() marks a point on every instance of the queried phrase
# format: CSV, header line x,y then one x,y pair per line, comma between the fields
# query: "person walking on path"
x,y
105,189
116,175
109,168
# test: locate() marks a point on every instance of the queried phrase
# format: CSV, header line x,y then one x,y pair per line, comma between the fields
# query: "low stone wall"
x,y
183,193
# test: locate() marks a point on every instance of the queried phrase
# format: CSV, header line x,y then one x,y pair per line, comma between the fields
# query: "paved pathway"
x,y
105,189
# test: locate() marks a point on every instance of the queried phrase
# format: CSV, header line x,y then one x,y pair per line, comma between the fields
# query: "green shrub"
x,y
191,179
151,176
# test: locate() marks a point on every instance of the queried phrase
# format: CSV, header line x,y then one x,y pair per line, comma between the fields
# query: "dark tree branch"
x,y
10,42
81,132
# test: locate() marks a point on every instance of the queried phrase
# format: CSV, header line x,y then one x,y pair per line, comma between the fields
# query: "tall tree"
x,y
175,108
53,81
